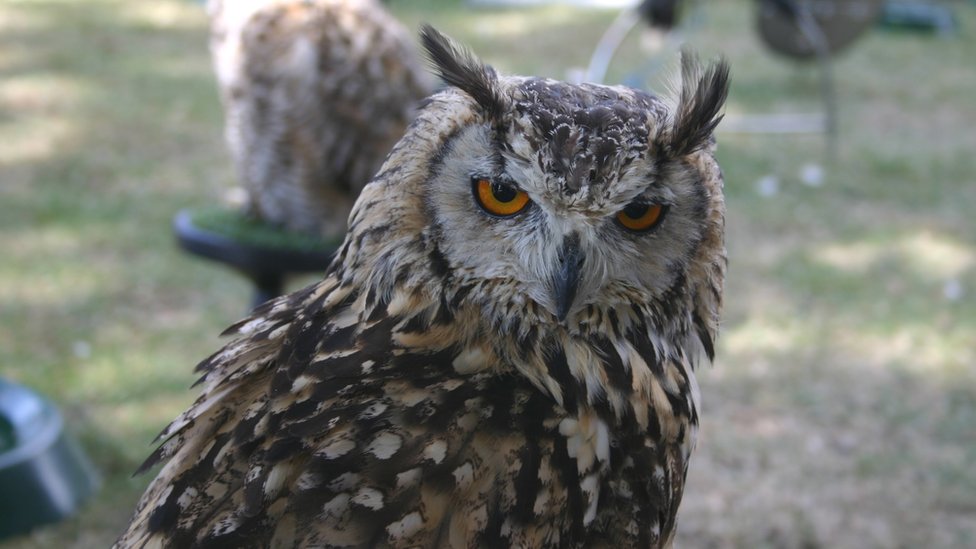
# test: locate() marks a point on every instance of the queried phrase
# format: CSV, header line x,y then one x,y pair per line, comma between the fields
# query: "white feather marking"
x,y
585,454
450,384
602,441
250,326
196,411
385,445
370,498
276,479
373,410
253,410
308,480
468,421
407,396
164,495
436,451
399,303
541,502
300,383
253,474
345,319
337,296
345,481
471,361
337,448
336,506
591,487
225,525
464,475
221,453
568,427
279,331
410,524
506,529
334,354
587,440
186,497
408,478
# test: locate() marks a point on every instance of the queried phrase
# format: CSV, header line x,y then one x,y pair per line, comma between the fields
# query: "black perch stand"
x,y
44,476
264,254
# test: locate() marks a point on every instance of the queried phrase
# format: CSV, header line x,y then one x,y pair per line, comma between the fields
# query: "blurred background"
x,y
841,411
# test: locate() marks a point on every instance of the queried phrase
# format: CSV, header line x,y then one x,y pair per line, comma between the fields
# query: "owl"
x,y
315,94
502,353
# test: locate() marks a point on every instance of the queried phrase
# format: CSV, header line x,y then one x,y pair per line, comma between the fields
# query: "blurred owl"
x,y
502,352
315,94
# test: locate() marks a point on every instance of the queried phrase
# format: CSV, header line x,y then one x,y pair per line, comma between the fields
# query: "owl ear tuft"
x,y
703,93
458,67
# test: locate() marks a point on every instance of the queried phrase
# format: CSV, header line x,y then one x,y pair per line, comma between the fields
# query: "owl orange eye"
x,y
499,199
639,217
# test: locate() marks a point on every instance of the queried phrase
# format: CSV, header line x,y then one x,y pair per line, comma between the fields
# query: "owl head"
x,y
538,203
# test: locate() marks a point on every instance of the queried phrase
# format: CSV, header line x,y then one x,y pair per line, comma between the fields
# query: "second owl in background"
x,y
315,94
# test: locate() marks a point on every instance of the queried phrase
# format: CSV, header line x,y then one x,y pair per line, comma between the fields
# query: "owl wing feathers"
x,y
317,433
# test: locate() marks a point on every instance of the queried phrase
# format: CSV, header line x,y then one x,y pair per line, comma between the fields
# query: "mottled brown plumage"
x,y
469,378
315,94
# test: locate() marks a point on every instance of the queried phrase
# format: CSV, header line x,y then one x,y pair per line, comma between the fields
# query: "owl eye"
x,y
499,199
641,217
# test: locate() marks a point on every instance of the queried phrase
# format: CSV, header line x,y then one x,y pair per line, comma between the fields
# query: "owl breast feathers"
x,y
501,353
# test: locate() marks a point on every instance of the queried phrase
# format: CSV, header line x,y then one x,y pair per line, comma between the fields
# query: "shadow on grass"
x,y
841,411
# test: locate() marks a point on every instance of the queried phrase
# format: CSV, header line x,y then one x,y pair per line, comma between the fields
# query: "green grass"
x,y
842,408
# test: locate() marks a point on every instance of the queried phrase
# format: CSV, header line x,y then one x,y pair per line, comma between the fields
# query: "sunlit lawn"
x,y
841,411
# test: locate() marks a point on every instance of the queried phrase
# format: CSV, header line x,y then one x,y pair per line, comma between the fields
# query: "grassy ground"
x,y
842,408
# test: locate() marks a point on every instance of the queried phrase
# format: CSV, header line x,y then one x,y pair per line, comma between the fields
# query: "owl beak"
x,y
567,276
